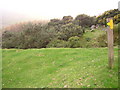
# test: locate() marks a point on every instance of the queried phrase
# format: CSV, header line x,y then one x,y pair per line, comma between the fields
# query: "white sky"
x,y
48,9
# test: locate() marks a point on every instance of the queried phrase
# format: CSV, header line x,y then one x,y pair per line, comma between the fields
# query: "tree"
x,y
54,22
69,30
67,19
84,20
115,14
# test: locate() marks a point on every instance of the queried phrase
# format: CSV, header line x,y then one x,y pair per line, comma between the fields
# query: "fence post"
x,y
110,43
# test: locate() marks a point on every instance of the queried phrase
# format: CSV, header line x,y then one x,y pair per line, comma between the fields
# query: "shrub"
x,y
58,44
88,39
69,30
32,36
74,42
102,40
115,31
9,39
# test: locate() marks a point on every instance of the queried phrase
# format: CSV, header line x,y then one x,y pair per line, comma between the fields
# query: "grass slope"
x,y
58,68
95,34
92,38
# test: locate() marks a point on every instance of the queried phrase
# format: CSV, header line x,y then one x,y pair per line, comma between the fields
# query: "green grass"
x,y
58,68
91,39
95,34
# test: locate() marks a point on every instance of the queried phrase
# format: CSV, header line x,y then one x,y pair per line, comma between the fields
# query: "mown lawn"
x,y
58,68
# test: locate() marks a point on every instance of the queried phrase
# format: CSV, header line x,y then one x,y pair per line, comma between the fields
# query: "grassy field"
x,y
58,68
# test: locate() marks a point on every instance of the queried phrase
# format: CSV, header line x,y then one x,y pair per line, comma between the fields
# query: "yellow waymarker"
x,y
110,24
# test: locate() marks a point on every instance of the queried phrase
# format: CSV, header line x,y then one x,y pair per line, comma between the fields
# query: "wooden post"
x,y
110,47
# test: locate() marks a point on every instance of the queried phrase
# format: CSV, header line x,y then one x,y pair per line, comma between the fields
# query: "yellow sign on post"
x,y
110,24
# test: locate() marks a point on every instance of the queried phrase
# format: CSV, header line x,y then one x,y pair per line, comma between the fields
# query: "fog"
x,y
14,11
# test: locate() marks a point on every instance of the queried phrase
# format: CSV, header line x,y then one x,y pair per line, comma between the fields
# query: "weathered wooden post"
x,y
110,42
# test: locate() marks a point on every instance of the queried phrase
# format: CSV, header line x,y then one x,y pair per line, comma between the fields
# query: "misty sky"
x,y
47,9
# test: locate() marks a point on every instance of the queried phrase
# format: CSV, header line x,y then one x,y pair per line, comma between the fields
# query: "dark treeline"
x,y
66,32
